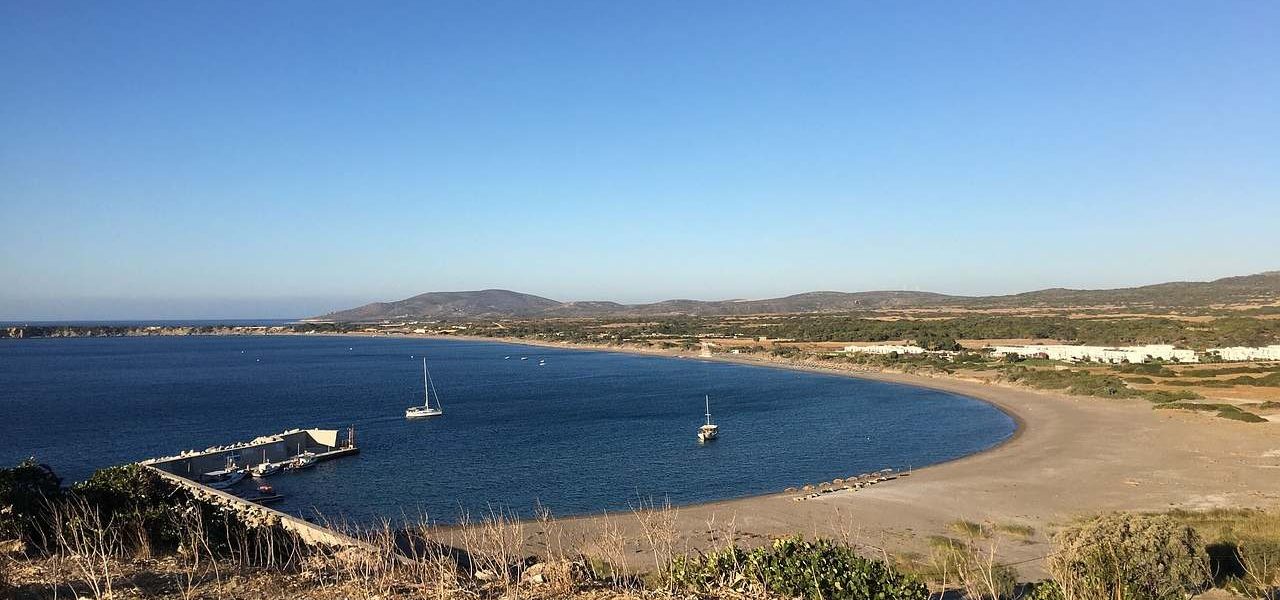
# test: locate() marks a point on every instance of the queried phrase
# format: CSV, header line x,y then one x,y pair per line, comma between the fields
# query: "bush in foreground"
x,y
136,495
793,567
25,493
1129,557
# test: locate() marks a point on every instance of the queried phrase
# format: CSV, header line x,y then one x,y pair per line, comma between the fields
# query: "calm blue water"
x,y
589,431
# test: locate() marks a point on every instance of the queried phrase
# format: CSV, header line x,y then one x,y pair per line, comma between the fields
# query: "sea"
x,y
572,431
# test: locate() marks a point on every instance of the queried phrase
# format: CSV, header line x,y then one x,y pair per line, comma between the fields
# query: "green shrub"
x,y
1079,383
25,493
1268,380
1153,369
722,568
135,508
133,494
795,568
1139,380
1234,413
1042,590
1226,411
1130,557
1210,372
1162,396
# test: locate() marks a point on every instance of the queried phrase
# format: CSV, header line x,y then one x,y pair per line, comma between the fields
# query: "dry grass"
x,y
1243,545
1016,529
89,546
970,563
488,558
658,525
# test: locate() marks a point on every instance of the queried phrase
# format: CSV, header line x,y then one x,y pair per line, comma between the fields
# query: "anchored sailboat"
x,y
709,431
428,386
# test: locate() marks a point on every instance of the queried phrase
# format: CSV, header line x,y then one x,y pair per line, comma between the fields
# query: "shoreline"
x,y
1069,456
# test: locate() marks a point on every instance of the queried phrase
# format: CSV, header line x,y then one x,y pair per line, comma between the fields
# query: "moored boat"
x,y
225,478
709,431
264,469
426,410
306,460
266,495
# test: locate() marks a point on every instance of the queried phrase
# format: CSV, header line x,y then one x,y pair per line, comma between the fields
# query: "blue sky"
x,y
287,158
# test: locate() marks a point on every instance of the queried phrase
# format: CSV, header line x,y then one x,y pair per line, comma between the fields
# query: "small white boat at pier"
x,y
225,478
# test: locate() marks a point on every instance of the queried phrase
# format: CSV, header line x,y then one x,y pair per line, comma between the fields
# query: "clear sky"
x,y
279,159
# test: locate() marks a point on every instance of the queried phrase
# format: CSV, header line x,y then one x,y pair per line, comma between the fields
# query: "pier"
x,y
321,444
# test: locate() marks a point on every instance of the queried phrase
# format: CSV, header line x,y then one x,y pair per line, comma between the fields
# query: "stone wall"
x,y
262,516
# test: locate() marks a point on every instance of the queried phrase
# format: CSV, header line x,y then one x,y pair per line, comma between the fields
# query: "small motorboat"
x,y
266,495
506,358
264,469
229,475
306,460
226,478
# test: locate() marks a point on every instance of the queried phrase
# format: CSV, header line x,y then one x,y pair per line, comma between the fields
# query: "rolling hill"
x,y
1259,288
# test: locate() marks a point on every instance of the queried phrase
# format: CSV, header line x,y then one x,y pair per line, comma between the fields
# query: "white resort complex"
x,y
885,349
1246,353
1130,354
1101,354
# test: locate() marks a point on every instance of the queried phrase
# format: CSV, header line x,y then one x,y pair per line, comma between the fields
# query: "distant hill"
x,y
1260,288
451,305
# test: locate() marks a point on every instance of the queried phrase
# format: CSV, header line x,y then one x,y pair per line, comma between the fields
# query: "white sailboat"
x,y
424,411
709,431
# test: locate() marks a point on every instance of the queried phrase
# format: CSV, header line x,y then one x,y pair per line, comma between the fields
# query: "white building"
x,y
885,349
1131,354
1247,353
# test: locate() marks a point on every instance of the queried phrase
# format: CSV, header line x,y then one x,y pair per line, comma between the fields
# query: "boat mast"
x,y
426,389
432,384
708,398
